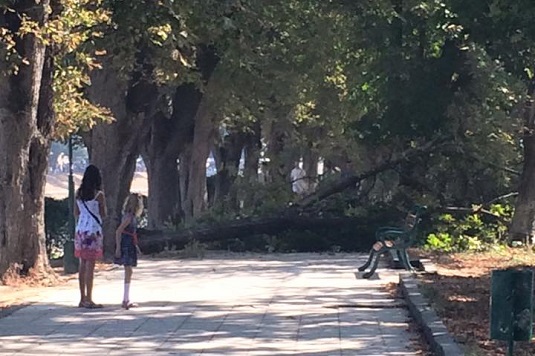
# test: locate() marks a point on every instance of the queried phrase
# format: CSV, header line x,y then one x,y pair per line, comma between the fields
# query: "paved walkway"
x,y
298,304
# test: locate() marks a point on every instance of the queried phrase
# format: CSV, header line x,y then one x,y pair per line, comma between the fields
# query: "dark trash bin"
x,y
511,305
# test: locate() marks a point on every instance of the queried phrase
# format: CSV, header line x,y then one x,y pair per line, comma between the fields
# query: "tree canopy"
x,y
345,85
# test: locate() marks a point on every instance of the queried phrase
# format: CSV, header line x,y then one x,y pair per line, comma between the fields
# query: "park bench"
x,y
395,240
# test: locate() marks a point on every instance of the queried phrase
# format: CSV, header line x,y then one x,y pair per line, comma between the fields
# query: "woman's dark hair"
x,y
91,184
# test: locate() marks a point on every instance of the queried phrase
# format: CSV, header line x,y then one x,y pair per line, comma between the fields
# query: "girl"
x,y
127,249
89,210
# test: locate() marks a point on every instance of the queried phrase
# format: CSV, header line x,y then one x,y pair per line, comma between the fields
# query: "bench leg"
x,y
400,258
374,264
404,259
368,262
407,260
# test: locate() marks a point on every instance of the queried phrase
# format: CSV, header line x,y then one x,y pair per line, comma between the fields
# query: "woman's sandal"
x,y
127,305
93,305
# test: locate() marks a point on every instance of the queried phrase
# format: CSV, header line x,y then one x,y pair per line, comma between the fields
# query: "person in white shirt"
x,y
299,182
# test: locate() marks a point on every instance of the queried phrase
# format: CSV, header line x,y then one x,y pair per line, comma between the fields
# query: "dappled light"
x,y
271,127
254,305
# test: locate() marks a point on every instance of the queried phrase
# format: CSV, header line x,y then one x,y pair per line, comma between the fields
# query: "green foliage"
x,y
344,79
69,33
247,199
477,231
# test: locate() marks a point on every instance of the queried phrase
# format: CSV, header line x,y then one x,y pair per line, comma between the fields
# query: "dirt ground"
x,y
460,293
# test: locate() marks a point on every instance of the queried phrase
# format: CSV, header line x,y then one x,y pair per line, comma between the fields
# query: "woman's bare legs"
x,y
89,276
82,281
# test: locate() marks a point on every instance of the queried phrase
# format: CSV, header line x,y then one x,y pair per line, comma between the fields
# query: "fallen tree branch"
x,y
494,165
505,196
287,218
239,228
351,181
475,210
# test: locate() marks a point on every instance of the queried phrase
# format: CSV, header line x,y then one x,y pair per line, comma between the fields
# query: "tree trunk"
x,y
183,178
310,165
253,145
37,168
114,147
252,149
278,135
164,193
227,169
170,139
25,126
116,159
162,172
193,159
194,202
522,225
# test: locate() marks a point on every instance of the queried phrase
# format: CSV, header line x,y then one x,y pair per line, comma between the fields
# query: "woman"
x,y
90,209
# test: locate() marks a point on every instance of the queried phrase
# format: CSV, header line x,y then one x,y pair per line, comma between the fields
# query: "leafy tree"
x,y
40,95
505,31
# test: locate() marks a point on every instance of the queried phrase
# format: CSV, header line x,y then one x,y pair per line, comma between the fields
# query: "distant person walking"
x,y
298,177
66,163
126,244
59,163
89,210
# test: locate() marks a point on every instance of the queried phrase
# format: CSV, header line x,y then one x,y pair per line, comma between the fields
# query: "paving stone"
x,y
294,304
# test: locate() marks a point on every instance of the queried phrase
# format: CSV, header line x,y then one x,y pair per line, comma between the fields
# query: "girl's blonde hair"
x,y
133,204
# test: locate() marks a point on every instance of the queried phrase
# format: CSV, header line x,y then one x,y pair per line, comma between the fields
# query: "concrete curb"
x,y
435,332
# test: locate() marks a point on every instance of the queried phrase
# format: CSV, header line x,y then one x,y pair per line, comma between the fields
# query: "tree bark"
x,y
162,172
114,147
310,165
522,224
278,135
229,161
37,168
170,139
194,202
183,178
164,194
278,168
193,158
25,127
252,147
